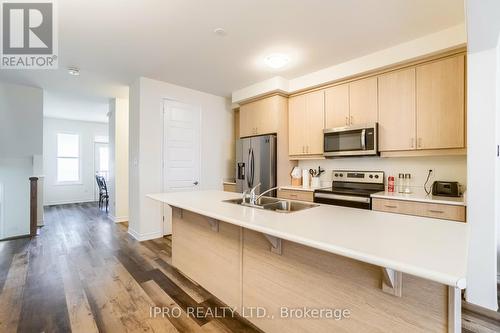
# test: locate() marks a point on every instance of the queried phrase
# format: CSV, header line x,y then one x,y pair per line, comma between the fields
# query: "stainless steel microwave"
x,y
351,141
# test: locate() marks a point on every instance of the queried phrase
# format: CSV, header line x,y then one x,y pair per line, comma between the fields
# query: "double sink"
x,y
274,204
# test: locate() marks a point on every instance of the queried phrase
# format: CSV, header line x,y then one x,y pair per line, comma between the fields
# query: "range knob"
x,y
371,176
336,175
341,175
376,176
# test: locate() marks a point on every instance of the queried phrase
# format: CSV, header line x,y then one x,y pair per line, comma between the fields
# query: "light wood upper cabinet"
x,y
247,124
337,106
315,122
353,103
441,104
261,117
363,101
396,98
296,128
306,119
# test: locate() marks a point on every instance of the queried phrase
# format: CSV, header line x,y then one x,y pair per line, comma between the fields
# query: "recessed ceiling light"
x,y
220,32
277,60
73,71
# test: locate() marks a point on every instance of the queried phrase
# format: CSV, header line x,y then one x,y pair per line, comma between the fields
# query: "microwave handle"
x,y
363,139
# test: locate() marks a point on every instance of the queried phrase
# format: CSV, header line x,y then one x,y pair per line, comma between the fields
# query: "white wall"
x,y
483,27
118,159
146,133
21,138
14,177
70,193
21,119
451,168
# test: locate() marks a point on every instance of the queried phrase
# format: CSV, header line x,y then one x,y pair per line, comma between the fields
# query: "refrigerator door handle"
x,y
249,168
253,166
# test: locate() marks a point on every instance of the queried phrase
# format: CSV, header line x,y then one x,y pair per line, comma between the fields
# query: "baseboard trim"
x,y
118,219
15,237
54,203
480,310
146,236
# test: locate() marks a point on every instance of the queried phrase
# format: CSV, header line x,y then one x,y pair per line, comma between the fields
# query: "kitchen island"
x,y
392,272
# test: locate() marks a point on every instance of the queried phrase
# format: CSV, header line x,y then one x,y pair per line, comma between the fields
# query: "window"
x,y
68,158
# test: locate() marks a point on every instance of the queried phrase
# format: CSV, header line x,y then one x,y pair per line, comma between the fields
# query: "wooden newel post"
x,y
33,205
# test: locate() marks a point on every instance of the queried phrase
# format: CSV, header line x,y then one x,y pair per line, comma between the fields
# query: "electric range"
x,y
351,189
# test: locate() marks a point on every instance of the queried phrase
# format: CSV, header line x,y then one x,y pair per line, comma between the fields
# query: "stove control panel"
x,y
376,177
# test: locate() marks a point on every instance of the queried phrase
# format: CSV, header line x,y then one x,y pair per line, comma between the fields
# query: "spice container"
x,y
407,188
401,183
390,184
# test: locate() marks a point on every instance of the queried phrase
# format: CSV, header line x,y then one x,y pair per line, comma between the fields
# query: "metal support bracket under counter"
x,y
214,224
275,244
392,282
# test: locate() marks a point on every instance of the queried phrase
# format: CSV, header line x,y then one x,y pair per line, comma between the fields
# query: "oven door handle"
x,y
342,197
363,139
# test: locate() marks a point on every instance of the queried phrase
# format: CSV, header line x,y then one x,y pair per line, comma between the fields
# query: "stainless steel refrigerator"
x,y
256,163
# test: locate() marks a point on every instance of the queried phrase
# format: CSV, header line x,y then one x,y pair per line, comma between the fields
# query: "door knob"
x,y
195,182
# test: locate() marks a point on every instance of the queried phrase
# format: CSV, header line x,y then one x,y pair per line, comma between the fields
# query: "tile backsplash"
x,y
448,168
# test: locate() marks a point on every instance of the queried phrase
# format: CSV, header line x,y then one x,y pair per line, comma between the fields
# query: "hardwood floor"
x,y
84,273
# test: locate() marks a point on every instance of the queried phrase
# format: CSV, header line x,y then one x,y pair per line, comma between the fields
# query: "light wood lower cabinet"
x,y
440,211
238,267
303,277
210,257
296,195
229,187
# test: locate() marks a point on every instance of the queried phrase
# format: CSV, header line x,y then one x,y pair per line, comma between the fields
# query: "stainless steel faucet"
x,y
267,191
253,197
245,193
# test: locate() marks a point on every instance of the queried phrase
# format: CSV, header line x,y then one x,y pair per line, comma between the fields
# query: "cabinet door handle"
x,y
352,120
391,206
293,195
419,143
412,143
347,120
436,211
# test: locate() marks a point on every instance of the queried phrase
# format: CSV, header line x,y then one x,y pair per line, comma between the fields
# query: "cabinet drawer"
x,y
440,211
229,187
296,195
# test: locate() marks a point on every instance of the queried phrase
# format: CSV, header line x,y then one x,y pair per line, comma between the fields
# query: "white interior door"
x,y
181,151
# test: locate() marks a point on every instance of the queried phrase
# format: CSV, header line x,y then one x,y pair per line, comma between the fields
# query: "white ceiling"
x,y
66,105
116,41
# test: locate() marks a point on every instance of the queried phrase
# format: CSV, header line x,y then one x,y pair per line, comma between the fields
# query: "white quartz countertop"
x,y
429,248
420,196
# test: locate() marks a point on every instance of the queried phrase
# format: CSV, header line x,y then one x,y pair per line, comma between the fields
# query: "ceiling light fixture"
x,y
220,32
74,71
277,60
